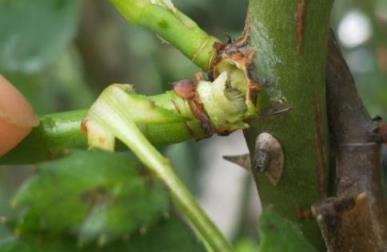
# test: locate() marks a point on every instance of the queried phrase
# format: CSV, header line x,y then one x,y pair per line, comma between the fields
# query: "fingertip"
x,y
14,107
17,118
11,135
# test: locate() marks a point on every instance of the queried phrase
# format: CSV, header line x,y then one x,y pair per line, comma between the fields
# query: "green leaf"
x,y
246,245
97,195
34,33
167,236
279,234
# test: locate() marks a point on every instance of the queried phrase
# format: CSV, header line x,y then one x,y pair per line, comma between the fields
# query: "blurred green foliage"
x,y
168,236
61,53
88,199
97,191
35,33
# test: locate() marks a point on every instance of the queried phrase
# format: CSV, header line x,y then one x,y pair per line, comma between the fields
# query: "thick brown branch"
x,y
383,132
358,165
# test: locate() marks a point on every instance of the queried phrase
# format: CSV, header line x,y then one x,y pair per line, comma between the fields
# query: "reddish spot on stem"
x,y
381,54
199,112
383,132
304,214
84,127
184,88
300,24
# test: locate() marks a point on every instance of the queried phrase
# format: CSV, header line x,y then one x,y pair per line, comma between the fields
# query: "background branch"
x,y
356,218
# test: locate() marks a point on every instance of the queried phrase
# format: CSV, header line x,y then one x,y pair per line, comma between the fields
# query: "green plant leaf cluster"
x,y
169,236
93,195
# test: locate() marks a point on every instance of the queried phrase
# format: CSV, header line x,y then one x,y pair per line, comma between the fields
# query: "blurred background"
x,y
62,53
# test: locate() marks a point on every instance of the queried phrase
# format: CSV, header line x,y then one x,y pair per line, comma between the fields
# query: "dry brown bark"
x,y
355,218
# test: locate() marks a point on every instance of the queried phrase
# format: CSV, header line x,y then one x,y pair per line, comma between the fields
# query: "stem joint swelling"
x,y
230,101
120,113
207,52
193,109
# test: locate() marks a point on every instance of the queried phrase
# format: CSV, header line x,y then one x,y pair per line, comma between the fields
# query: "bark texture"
x,y
355,219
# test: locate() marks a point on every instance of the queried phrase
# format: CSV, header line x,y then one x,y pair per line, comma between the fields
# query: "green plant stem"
x,y
56,133
294,75
110,114
173,26
60,131
163,119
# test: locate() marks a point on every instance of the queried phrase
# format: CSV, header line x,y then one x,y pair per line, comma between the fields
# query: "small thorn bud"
x,y
262,160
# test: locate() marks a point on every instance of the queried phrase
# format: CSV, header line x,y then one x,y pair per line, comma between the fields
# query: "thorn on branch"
x,y
340,218
243,160
362,224
300,23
